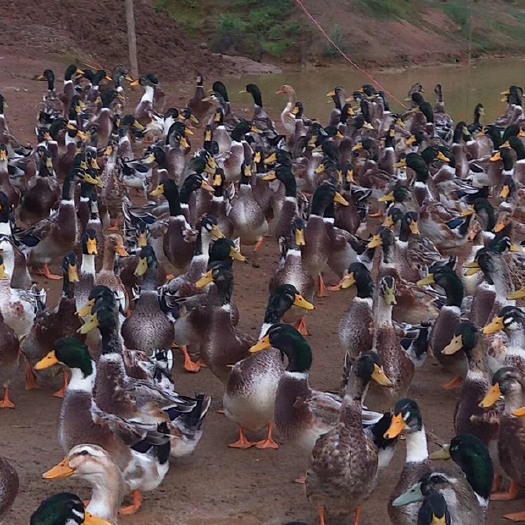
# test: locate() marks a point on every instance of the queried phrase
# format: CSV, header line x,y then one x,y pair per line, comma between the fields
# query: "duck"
x,y
88,272
343,467
249,222
57,235
9,358
397,364
356,327
232,160
292,271
249,397
81,422
93,464
9,487
468,415
144,111
407,418
260,119
508,384
113,245
302,414
447,320
147,328
288,115
466,493
199,107
42,191
60,321
64,508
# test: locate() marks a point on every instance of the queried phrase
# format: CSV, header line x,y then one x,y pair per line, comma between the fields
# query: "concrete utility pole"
x,y
132,39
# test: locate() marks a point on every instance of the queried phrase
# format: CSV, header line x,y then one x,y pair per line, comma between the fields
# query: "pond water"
x,y
464,86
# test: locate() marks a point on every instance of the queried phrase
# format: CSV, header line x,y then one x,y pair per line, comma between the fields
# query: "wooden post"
x,y
132,39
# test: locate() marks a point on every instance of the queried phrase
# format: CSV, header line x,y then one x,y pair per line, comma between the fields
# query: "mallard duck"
x,y
321,238
5,182
217,204
42,191
197,104
292,271
147,328
397,364
144,110
508,383
88,271
51,105
288,115
82,422
356,328
62,509
113,245
55,236
220,94
232,160
468,416
407,417
93,464
260,119
60,321
249,398
249,222
467,493
9,484
302,414
342,471
9,357
447,320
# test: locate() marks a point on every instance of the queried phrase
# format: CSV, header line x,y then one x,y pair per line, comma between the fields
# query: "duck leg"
x,y
201,363
31,383
322,518
117,225
60,393
46,272
301,480
6,402
506,496
515,516
323,292
457,382
496,484
358,511
242,442
301,326
268,442
135,506
189,365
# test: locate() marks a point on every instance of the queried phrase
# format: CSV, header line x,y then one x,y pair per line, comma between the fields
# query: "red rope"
x,y
345,56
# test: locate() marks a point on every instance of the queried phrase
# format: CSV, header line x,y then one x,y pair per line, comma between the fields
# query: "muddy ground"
x,y
217,485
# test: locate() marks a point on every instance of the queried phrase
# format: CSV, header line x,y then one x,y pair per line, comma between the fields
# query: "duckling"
x,y
302,414
197,104
249,398
407,416
508,383
147,328
94,465
80,422
343,466
249,222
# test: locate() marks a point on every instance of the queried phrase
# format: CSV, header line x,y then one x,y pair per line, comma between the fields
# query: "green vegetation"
x,y
248,27
459,11
386,9
339,38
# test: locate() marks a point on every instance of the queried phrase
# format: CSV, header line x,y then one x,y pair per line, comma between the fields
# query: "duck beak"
x,y
442,157
301,302
472,268
347,281
142,267
86,309
159,190
299,237
379,376
493,396
501,225
519,413
121,250
518,294
375,242
184,143
340,199
350,176
261,345
411,140
271,176
216,232
521,134
272,159
331,94
414,228
468,212
47,362
92,247
90,324
207,187
238,256
134,83
89,519
320,169
358,147
397,426
495,326
454,346
495,157
442,453
387,198
388,222
257,157
428,280
62,470
206,279
194,119
72,273
504,193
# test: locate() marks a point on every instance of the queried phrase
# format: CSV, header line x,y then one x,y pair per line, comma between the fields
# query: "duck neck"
x,y
106,495
384,313
88,264
477,362
111,343
516,338
454,291
225,290
148,94
417,448
83,380
108,262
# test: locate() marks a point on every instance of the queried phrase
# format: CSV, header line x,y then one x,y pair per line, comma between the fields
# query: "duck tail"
x,y
162,451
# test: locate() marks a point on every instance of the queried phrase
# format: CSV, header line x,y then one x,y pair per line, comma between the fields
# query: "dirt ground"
x,y
217,485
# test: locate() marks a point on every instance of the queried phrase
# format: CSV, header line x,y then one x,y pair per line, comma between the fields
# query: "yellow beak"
x,y
397,426
261,345
493,396
301,302
62,470
47,362
495,326
206,279
454,346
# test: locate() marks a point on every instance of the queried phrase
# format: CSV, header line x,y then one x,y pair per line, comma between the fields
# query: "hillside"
x,y
178,37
